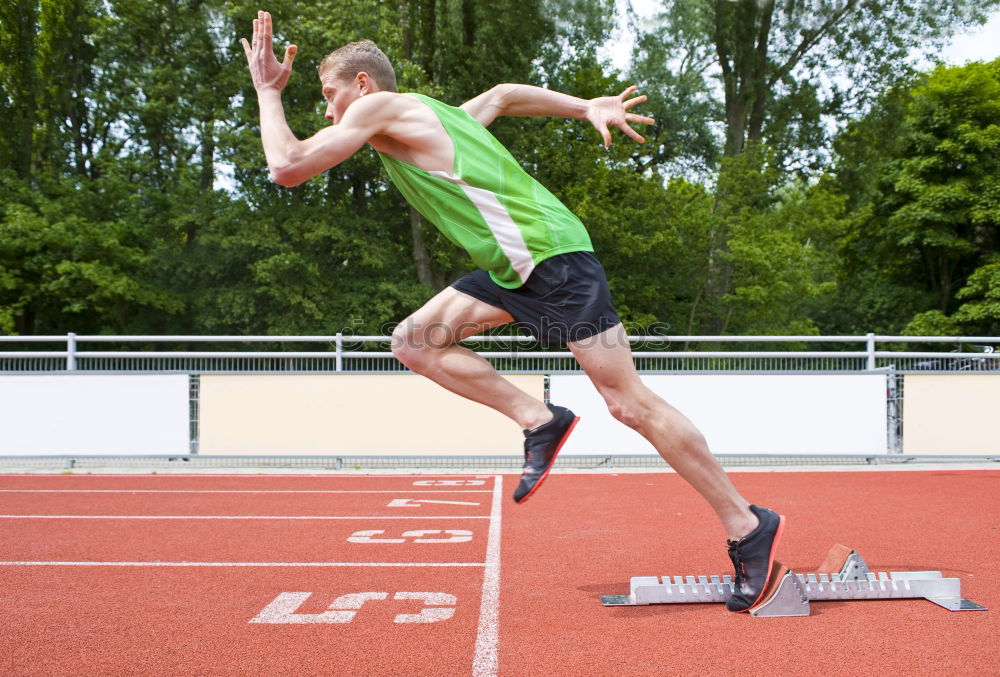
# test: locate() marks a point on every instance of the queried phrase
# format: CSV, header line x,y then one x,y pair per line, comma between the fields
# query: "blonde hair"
x,y
355,57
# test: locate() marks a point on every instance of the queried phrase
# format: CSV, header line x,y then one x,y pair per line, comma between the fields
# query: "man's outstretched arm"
x,y
528,101
292,161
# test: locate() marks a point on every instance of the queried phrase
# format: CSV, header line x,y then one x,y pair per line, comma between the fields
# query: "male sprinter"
x,y
537,265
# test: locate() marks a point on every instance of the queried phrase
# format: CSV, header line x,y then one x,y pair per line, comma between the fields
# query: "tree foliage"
x,y
930,217
135,197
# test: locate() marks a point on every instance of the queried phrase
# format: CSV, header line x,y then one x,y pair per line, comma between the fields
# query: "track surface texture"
x,y
361,575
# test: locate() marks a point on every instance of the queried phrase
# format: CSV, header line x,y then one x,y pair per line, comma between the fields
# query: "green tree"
x,y
979,312
784,66
768,76
67,254
977,315
135,197
928,226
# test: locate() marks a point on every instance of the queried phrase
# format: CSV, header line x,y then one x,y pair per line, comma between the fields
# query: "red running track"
x,y
195,575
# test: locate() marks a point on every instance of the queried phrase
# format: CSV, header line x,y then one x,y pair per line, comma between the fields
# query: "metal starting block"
x,y
843,575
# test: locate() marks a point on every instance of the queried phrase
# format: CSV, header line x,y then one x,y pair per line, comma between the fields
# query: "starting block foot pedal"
x,y
842,576
783,595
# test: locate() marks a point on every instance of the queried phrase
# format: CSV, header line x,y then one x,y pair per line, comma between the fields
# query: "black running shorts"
x,y
566,298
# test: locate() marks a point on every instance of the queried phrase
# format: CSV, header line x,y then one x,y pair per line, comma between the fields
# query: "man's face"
x,y
339,94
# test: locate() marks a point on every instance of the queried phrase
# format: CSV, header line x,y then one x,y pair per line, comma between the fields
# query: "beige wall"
x,y
951,414
400,414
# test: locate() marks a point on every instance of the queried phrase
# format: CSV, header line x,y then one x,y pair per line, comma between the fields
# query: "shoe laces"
x,y
737,559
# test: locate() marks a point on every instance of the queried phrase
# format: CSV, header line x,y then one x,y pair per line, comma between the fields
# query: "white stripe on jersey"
x,y
500,223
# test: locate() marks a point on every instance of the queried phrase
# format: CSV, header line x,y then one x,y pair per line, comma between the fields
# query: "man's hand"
x,y
265,70
612,111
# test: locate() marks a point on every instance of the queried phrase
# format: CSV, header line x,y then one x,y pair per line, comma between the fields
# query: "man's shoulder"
x,y
382,106
380,100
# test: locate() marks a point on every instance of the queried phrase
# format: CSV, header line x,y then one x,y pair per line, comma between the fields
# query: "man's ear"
x,y
365,83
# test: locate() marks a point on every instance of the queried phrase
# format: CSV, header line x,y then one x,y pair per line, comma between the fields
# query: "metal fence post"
x,y
895,413
871,351
71,352
340,351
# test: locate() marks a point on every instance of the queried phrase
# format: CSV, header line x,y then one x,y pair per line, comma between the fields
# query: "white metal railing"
x,y
520,355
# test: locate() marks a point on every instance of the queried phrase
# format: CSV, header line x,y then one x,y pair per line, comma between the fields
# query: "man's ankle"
x,y
537,417
737,529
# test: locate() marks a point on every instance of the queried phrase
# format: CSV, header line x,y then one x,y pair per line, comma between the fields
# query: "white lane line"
x,y
245,517
486,663
242,564
344,475
244,491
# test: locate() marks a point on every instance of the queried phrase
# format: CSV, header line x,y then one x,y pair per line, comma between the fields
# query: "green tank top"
x,y
488,205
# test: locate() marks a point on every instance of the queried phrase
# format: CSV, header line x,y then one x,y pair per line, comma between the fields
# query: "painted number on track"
x,y
438,606
418,536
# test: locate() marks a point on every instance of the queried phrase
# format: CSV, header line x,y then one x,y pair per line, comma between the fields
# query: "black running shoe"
x,y
541,445
753,556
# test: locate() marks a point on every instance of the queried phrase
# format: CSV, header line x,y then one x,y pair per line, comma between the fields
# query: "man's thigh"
x,y
606,358
450,317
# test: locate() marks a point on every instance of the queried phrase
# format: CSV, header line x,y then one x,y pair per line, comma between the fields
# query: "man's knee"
x,y
643,411
406,346
414,343
626,408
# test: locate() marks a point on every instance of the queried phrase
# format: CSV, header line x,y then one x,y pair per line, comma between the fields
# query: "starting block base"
x,y
842,576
